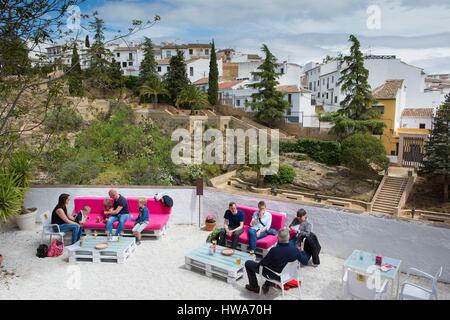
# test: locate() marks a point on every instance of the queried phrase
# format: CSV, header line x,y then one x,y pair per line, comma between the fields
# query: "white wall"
x,y
200,69
291,74
411,122
340,232
245,69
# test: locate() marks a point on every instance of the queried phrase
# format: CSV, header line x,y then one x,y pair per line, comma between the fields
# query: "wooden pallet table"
x,y
217,264
116,252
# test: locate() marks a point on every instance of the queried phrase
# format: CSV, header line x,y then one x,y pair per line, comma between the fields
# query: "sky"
x,y
299,31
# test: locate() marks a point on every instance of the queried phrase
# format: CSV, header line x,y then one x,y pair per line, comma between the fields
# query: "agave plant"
x,y
11,195
21,165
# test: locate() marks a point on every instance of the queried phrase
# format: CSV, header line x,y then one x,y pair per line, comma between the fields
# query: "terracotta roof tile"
x,y
388,90
228,84
163,61
291,89
418,112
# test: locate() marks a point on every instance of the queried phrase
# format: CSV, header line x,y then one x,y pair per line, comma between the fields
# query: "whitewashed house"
x,y
417,118
61,54
190,51
129,58
301,110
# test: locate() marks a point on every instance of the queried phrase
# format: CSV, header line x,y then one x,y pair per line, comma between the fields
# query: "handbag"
x,y
42,251
56,249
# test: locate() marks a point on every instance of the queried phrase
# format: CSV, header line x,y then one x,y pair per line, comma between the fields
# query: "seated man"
x,y
233,225
276,259
260,224
300,226
119,212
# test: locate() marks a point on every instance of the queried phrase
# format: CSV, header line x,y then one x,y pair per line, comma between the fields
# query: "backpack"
x,y
41,251
56,249
168,201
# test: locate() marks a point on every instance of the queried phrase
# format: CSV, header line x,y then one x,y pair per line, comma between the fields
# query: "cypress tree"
x,y
213,79
87,44
148,64
268,102
99,65
436,164
176,79
75,78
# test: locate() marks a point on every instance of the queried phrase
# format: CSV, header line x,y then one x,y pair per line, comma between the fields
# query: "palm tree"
x,y
191,96
153,87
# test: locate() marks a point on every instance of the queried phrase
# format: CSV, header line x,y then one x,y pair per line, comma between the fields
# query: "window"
x,y
124,64
238,102
191,52
130,63
206,51
332,79
327,95
168,54
159,69
422,125
379,108
118,54
335,99
290,99
393,153
191,71
310,86
328,83
282,71
318,83
168,69
323,81
130,56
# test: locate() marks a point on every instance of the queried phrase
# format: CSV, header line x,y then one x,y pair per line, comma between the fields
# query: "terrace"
x,y
417,244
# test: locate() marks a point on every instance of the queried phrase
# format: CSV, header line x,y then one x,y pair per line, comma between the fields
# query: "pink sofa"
x,y
159,215
262,245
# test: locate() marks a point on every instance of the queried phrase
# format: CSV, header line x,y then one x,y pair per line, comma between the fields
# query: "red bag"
x,y
290,284
56,249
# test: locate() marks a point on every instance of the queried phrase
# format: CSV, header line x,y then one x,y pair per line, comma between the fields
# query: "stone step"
x,y
384,206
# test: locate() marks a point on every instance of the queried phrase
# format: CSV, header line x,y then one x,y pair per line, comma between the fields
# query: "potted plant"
x,y
21,167
210,222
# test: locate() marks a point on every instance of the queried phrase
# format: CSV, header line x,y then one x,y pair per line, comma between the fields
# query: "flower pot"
x,y
210,226
27,221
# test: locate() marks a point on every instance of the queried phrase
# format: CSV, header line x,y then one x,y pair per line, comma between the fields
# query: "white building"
x,y
61,54
301,110
196,68
129,58
191,50
418,118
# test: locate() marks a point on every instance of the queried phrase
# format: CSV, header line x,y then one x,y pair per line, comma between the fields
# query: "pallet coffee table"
x,y
116,252
218,264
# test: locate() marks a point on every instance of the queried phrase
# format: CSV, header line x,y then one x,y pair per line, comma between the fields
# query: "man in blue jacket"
x,y
276,259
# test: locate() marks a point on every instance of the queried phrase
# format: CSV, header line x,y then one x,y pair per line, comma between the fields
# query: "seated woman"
x,y
65,221
260,224
300,226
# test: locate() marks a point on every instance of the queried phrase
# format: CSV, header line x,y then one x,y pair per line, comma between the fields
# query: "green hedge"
x,y
328,152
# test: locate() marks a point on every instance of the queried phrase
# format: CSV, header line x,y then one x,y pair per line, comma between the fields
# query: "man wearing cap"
x,y
276,259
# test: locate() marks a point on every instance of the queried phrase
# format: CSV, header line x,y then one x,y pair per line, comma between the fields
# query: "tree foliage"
x,y
364,154
436,164
192,97
213,79
176,79
148,65
269,103
154,88
75,75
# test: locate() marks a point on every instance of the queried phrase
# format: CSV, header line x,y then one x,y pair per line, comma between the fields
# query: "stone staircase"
x,y
388,198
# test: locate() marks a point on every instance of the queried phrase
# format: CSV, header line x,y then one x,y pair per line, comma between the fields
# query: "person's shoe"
x,y
265,288
138,242
251,252
252,289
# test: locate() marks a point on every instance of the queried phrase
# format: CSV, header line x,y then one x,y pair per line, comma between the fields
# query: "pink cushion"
x,y
96,204
278,219
91,222
157,207
264,243
133,205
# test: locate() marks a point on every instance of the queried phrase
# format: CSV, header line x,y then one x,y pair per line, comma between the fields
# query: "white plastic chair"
x,y
290,272
411,291
49,229
356,287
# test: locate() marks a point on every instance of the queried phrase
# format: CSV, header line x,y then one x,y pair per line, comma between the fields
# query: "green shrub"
x,y
64,118
86,166
11,196
364,154
286,174
327,152
195,171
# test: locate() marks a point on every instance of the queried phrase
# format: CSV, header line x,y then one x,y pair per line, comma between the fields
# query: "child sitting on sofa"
x,y
107,205
81,215
142,220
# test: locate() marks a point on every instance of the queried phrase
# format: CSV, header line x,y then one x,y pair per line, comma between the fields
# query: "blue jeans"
x,y
121,218
252,238
74,228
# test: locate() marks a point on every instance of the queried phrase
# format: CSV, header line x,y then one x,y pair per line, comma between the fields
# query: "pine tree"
x,y
213,79
176,79
99,65
268,102
87,44
148,64
14,58
354,82
75,77
436,164
115,75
